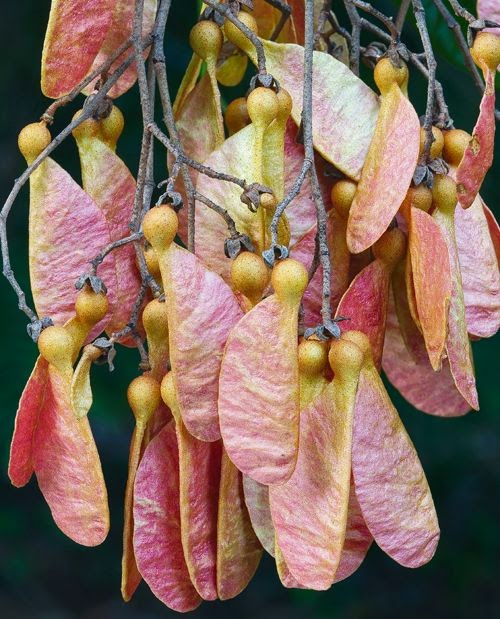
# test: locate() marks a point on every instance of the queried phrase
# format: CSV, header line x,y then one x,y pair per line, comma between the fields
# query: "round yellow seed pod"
x,y
285,104
455,144
143,395
313,357
112,127
436,149
91,307
342,195
289,279
89,128
421,197
33,139
56,346
155,320
444,193
168,393
263,106
268,201
152,263
345,357
160,227
486,48
249,275
206,39
391,247
360,340
234,34
236,115
386,74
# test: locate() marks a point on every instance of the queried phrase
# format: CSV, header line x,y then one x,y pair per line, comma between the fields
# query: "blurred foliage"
x,y
43,575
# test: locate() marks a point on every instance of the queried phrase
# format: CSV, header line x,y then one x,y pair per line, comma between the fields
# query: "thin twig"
x,y
307,118
99,259
219,210
419,12
355,37
401,16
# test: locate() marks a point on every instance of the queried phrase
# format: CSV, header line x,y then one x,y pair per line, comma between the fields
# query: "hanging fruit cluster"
x,y
265,291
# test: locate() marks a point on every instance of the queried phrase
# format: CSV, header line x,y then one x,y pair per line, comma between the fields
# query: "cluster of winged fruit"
x,y
250,436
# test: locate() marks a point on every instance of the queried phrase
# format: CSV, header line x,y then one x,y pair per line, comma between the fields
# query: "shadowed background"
x,y
43,575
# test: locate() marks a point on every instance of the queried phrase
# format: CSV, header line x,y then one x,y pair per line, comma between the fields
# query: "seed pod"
x,y
455,144
143,395
160,227
112,127
289,279
33,139
206,39
236,116
486,49
234,34
91,307
386,74
436,149
56,346
391,247
250,276
342,195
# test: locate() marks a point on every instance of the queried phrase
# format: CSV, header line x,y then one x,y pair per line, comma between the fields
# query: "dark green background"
x,y
44,575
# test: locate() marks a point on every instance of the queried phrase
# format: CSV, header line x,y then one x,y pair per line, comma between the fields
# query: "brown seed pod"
x,y
236,115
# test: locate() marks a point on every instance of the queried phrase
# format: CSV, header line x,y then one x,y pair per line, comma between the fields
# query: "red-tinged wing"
x,y
358,539
430,267
257,502
75,33
199,477
67,466
341,100
234,156
309,511
387,171
157,534
364,305
199,133
458,345
479,268
390,483
407,366
259,393
108,181
238,548
30,405
66,230
494,230
202,310
478,156
489,9
303,251
119,32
